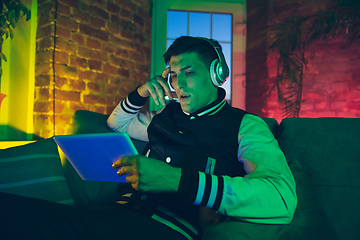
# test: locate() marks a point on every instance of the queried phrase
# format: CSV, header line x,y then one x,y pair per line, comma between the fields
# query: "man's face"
x,y
191,81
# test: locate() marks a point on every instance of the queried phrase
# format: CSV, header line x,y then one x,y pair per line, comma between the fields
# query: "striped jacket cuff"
x,y
133,103
201,189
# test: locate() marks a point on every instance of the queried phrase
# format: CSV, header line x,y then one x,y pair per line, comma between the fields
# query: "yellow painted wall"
x,y
18,80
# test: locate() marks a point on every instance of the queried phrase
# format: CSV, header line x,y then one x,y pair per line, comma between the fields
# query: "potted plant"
x,y
11,11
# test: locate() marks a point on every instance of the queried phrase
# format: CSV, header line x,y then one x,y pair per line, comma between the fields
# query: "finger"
x,y
165,84
117,164
124,161
127,170
135,186
153,93
160,91
165,73
133,180
156,89
167,90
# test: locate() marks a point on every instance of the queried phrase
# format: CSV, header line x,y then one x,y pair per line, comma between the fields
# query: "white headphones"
x,y
219,70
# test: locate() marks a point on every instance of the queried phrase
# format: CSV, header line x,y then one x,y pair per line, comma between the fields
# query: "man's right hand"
x,y
147,174
156,87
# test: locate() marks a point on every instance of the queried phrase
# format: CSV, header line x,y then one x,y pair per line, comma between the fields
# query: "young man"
x,y
206,162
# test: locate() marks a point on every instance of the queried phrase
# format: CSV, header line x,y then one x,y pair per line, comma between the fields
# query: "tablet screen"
x,y
92,155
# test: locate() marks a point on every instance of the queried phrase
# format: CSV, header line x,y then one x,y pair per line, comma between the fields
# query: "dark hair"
x,y
186,44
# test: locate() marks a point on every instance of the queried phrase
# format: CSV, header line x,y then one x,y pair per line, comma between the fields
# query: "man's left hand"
x,y
147,174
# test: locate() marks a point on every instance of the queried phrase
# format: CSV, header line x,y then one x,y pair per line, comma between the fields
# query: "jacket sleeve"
x,y
126,117
265,195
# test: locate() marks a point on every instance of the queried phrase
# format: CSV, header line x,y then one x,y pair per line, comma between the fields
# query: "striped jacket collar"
x,y
212,108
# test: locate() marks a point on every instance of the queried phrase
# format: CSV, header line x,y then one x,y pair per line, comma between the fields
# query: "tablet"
x,y
92,155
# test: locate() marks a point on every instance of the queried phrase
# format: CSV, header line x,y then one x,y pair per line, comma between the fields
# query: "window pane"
x,y
168,43
226,48
177,24
221,27
199,24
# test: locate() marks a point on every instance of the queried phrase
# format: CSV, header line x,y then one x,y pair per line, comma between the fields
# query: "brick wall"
x,y
331,83
256,53
101,53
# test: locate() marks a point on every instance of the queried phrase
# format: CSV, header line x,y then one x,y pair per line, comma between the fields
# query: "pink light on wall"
x,y
331,81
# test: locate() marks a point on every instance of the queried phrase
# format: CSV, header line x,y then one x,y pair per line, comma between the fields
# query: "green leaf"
x,y
11,18
17,12
7,4
3,57
2,20
12,22
28,15
11,33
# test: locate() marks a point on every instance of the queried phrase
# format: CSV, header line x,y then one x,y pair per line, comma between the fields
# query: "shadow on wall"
x,y
10,133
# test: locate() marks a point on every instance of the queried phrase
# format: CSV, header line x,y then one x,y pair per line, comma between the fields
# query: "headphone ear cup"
x,y
213,73
215,76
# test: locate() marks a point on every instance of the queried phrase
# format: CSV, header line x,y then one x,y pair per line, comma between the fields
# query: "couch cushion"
x,y
328,150
34,170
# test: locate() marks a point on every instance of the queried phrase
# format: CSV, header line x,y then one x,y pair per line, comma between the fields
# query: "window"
x,y
217,26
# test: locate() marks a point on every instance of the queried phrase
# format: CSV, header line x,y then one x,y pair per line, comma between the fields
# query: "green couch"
x,y
322,153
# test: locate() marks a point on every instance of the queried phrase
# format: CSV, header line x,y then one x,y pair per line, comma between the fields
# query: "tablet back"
x,y
92,155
